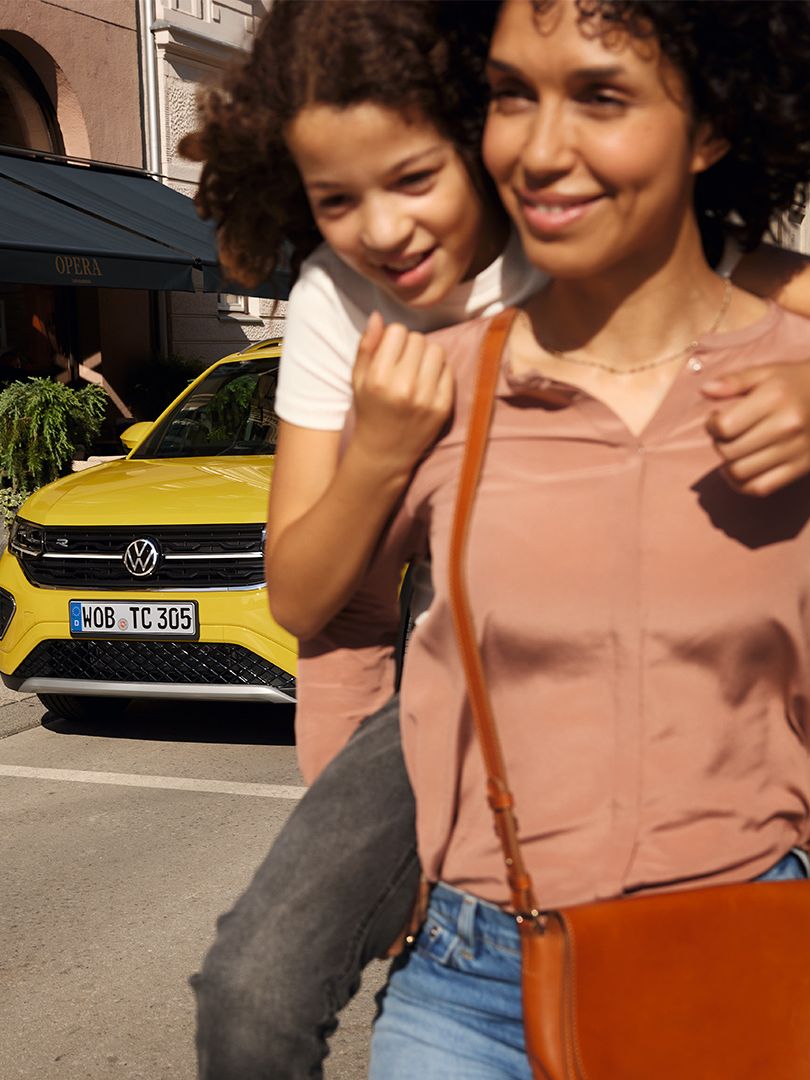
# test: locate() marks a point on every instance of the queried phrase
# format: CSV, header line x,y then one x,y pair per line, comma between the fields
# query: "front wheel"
x,y
84,710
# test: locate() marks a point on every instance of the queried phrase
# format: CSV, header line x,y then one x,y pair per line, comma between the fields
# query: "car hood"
x,y
177,491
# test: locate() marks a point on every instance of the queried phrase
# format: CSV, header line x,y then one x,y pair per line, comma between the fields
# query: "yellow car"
x,y
144,577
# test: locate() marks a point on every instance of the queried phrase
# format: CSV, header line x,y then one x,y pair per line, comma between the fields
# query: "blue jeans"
x,y
334,892
452,1007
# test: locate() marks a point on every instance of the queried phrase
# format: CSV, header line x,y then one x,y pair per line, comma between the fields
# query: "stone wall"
x,y
195,40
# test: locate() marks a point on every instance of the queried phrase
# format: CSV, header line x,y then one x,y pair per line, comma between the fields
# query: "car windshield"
x,y
229,412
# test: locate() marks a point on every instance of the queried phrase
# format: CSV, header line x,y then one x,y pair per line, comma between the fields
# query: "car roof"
x,y
268,347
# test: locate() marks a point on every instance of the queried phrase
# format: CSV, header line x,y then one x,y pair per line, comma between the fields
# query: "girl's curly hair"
x,y
424,57
746,67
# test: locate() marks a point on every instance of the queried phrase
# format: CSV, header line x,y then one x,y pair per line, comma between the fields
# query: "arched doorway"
x,y
27,115
37,322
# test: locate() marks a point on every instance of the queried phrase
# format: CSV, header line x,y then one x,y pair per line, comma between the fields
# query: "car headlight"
x,y
24,538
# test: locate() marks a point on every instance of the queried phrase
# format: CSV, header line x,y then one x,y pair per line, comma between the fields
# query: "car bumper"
x,y
241,654
178,691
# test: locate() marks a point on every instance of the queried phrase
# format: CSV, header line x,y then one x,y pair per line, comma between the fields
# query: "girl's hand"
x,y
763,432
403,395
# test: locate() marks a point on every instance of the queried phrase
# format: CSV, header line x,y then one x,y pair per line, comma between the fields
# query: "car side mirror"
x,y
135,434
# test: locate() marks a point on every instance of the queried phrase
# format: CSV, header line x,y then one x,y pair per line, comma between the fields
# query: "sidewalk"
x,y
8,697
18,712
12,721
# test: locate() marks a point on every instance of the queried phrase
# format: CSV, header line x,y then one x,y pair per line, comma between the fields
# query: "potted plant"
x,y
42,422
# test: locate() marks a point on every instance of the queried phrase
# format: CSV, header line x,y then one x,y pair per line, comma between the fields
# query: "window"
x,y
26,113
232,304
230,413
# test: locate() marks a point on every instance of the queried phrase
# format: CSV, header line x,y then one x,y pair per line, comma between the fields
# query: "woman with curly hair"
x,y
344,109
642,627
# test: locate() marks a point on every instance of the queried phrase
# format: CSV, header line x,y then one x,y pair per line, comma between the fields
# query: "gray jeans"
x,y
335,890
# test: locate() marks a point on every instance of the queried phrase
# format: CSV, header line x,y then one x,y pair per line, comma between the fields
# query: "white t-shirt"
x,y
327,313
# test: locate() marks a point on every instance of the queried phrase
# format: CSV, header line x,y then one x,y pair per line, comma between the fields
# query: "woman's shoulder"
x,y
469,330
462,341
772,335
784,337
794,329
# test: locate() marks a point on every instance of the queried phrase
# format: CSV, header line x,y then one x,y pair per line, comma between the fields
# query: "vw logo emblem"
x,y
141,557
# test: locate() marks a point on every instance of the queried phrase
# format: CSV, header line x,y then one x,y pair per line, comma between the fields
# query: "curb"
x,y
16,724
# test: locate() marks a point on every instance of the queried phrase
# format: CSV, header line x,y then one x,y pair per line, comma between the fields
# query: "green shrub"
x,y
10,503
41,424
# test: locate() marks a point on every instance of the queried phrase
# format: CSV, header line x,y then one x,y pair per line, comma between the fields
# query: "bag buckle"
x,y
539,918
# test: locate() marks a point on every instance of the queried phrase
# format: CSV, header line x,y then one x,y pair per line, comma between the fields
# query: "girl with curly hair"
x,y
359,123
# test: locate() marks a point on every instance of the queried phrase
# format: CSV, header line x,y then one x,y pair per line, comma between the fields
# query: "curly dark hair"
x,y
746,67
414,56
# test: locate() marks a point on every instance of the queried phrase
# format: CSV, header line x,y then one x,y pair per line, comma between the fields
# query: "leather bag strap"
x,y
500,797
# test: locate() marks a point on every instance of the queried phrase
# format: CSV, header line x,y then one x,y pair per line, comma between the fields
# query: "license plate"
x,y
134,618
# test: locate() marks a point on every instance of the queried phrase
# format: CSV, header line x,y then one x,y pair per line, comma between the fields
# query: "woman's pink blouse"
x,y
644,630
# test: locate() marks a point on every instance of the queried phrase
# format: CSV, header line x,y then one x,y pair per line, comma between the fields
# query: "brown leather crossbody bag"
x,y
703,984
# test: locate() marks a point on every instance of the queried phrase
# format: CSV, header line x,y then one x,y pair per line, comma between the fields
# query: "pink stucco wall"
x,y
86,54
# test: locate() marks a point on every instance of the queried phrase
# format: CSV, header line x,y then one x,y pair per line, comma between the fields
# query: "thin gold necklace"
x,y
652,363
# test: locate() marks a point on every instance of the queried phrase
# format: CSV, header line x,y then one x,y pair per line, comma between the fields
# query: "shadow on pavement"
x,y
201,722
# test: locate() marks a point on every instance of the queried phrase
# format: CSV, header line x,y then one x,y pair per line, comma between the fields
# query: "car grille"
x,y
190,557
189,662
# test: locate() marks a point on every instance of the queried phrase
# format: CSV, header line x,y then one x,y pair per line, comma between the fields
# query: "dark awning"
x,y
64,224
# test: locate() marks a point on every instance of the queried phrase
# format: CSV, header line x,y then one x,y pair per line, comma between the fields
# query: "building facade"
x,y
193,41
115,81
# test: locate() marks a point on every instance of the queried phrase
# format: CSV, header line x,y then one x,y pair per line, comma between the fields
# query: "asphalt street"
x,y
119,847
